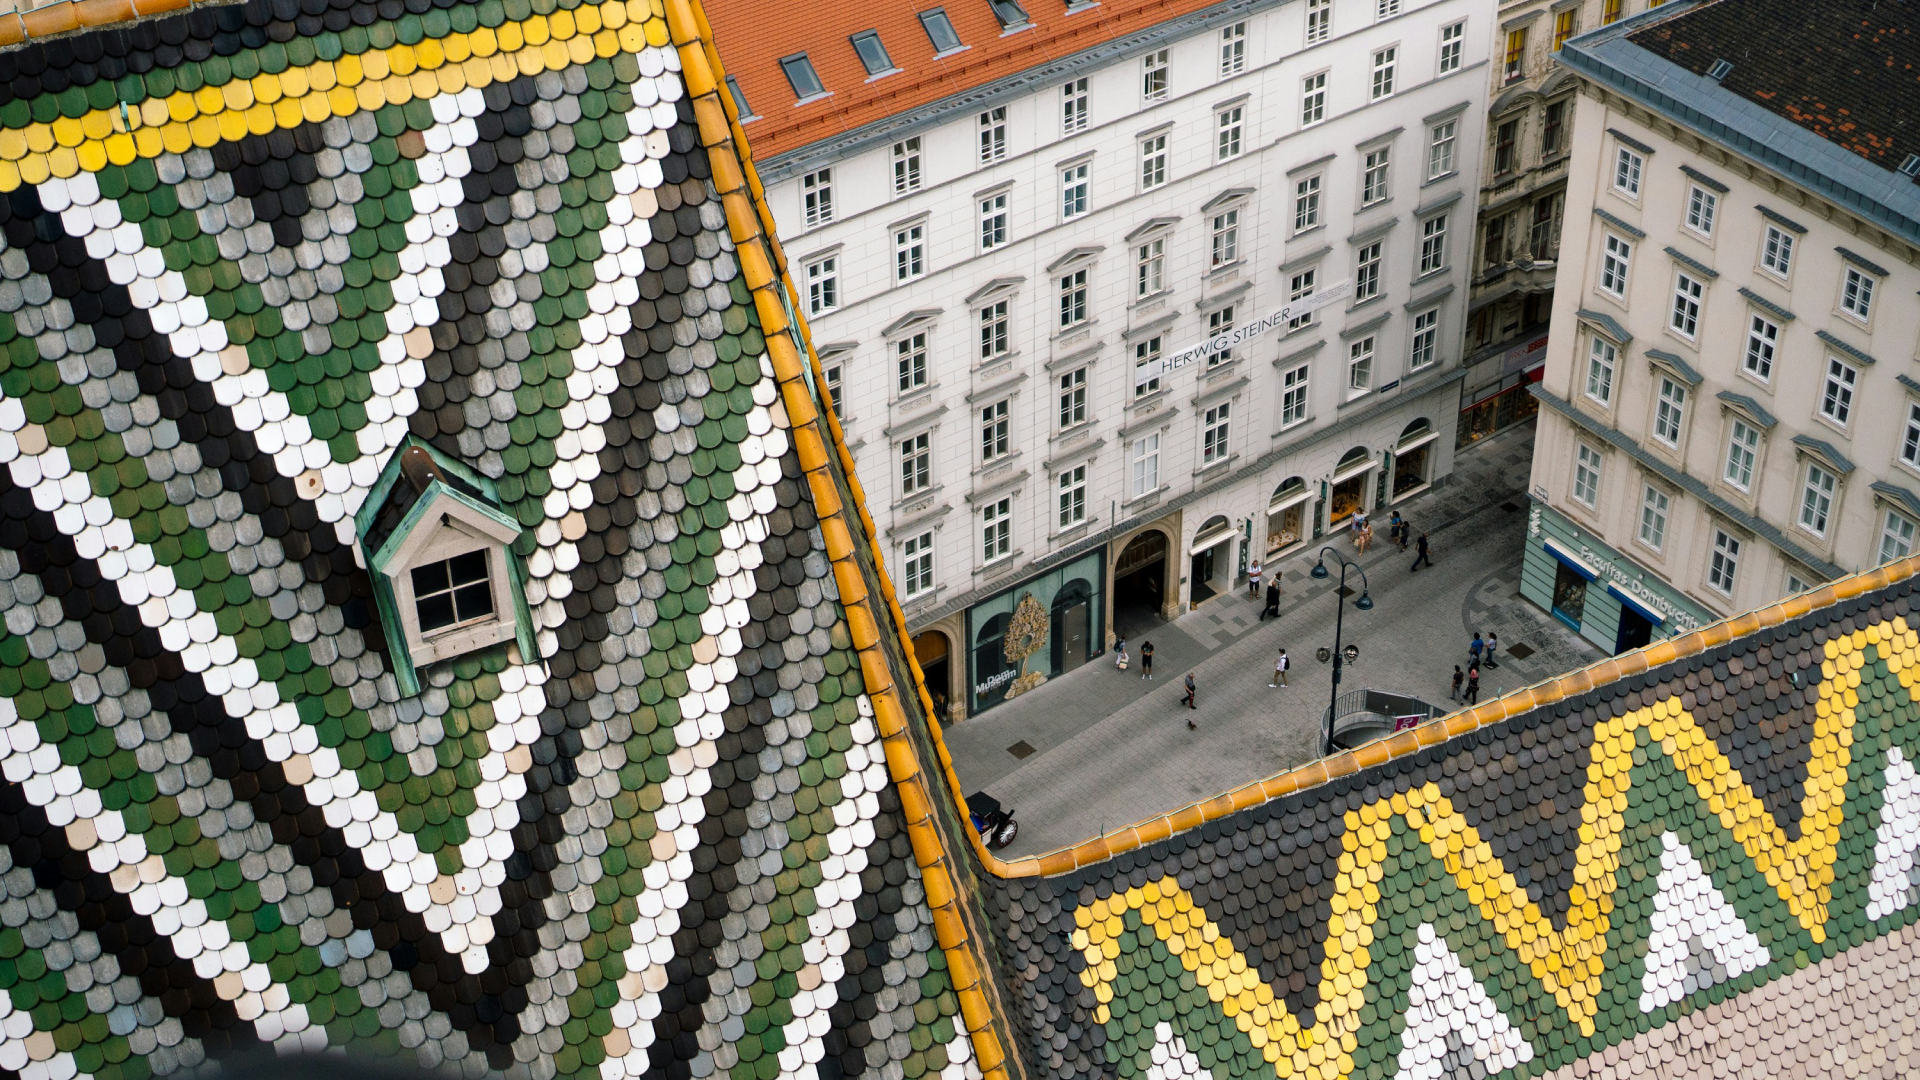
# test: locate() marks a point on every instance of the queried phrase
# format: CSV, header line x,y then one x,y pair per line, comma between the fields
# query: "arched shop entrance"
x,y
1351,480
1413,458
1212,571
931,650
1140,584
1289,516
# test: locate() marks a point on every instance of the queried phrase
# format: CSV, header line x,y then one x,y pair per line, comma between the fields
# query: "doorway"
x,y
1139,584
1635,630
1072,636
1201,575
1211,572
930,649
1569,595
1350,481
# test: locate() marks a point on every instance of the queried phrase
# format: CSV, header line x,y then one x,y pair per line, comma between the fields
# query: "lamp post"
x,y
1364,603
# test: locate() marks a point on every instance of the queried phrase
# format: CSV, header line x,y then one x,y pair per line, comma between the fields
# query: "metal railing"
x,y
1359,716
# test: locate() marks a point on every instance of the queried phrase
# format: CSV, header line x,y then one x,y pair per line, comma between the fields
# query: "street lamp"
x,y
1340,656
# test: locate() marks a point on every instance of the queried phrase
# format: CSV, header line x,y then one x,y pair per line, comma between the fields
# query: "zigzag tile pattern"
x,y
1515,901
245,254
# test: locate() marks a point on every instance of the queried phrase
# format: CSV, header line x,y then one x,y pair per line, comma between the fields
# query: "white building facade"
x,y
993,281
1729,412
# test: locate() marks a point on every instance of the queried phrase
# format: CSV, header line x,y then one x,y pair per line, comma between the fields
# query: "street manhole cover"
x,y
1021,750
1510,507
1520,652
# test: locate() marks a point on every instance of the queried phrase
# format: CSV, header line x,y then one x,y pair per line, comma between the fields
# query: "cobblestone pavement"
x,y
1103,748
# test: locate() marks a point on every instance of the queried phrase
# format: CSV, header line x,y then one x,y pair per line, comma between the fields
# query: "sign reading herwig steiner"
x,y
1240,335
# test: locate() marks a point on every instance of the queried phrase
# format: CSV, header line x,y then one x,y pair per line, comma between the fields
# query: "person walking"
x,y
1280,667
1406,534
1253,579
1458,678
1146,659
1493,642
1422,557
1189,700
1473,686
1474,649
1273,599
1120,654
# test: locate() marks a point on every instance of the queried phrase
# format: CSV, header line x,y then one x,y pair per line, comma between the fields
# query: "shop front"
x,y
1211,571
1351,486
1605,597
1289,517
1040,628
1500,405
1413,457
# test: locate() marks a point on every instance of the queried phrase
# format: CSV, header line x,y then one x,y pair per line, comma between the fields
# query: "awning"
x,y
1416,443
1289,501
1569,559
1627,601
1210,539
1352,471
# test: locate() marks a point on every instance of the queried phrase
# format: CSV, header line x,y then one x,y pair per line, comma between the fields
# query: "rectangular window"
x,y
1226,238
1073,107
1505,138
996,331
873,54
1433,244
916,464
1219,322
1763,336
1586,476
1009,14
1546,228
1610,11
993,221
1384,63
1313,99
1743,449
1072,490
1319,21
1896,537
1300,288
1073,298
1440,140
1073,398
1653,517
1306,204
1687,291
1776,255
1233,49
1602,358
906,165
1153,162
1516,61
1373,180
1360,366
1366,272
1726,562
1615,257
1553,128
1153,76
1564,25
1836,398
916,563
1149,267
1816,500
1146,354
1493,250
1453,43
1143,466
993,135
993,431
1701,205
836,375
1910,439
940,31
1213,434
801,76
1856,293
817,193
996,530
1627,167
1073,191
909,252
910,363
1227,127
1668,410
1385,9
1426,333
823,285
1293,396
740,105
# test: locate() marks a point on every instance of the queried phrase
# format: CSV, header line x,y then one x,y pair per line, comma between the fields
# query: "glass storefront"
x,y
1038,629
1349,493
1414,459
1502,410
1288,520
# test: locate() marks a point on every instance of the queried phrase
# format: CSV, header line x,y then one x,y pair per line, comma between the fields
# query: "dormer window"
x,y
440,551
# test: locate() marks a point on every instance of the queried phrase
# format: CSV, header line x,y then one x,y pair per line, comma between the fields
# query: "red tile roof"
x,y
753,35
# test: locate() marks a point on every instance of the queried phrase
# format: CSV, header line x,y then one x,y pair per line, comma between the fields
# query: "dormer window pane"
x,y
1009,12
873,54
801,77
940,30
452,592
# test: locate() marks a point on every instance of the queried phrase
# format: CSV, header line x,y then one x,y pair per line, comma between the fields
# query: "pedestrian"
x,y
1422,557
1406,534
1273,599
1280,666
1474,649
1458,678
1189,699
1473,685
1253,579
1394,525
1146,659
1120,654
1493,642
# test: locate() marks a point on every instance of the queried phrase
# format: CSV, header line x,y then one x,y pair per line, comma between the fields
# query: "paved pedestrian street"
x,y
1098,749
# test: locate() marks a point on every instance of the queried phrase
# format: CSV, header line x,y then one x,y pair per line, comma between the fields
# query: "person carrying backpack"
x,y
1280,667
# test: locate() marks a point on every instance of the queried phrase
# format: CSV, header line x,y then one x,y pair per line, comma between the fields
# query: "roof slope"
x,y
1847,72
